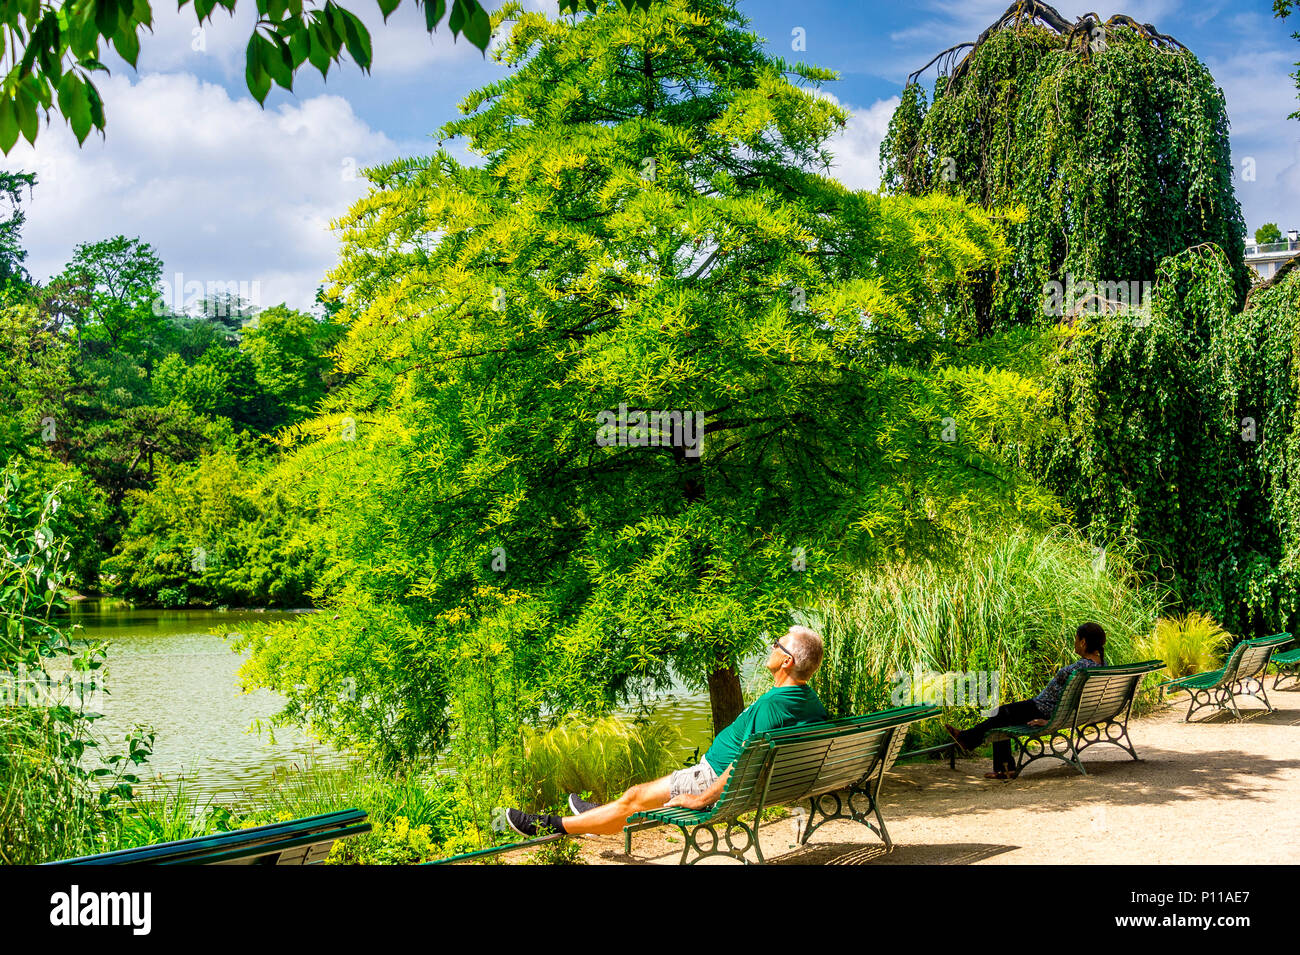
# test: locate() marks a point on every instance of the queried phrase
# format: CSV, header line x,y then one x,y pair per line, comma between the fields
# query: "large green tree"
x,y
651,229
108,291
1111,135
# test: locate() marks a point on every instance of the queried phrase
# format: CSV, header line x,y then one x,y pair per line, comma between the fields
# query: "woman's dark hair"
x,y
1093,637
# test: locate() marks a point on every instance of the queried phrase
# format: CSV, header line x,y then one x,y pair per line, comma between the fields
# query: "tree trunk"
x,y
725,697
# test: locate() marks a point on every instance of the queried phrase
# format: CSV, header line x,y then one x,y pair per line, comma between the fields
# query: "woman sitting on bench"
x,y
1090,645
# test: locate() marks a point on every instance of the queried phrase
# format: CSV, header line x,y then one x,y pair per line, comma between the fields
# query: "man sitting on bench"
x,y
791,702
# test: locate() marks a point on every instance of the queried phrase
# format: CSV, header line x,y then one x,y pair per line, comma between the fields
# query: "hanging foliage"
x,y
1261,380
1146,450
1110,134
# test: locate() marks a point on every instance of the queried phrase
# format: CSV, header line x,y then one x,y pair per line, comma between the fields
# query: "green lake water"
x,y
169,669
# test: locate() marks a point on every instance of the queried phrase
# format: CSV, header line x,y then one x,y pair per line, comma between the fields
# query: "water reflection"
x,y
166,668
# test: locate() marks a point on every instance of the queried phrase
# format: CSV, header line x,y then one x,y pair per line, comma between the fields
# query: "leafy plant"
x,y
55,787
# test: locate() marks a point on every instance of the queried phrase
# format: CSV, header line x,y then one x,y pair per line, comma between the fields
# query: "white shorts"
x,y
692,781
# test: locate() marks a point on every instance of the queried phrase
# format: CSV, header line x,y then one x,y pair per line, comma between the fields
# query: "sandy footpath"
x,y
1216,791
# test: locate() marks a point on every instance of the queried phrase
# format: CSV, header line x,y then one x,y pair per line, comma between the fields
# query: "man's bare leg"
x,y
612,816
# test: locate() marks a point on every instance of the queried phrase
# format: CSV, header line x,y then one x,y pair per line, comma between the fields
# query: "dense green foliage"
x,y
218,532
1261,394
1114,140
1148,449
56,784
110,390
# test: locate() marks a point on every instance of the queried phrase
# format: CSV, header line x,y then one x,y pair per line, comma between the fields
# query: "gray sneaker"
x,y
578,805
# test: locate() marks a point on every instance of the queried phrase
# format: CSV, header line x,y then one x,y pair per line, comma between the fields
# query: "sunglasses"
x,y
777,646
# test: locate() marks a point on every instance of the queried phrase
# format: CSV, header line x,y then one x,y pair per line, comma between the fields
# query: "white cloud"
x,y
857,146
223,190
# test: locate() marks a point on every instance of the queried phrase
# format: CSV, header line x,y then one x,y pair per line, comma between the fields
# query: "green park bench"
x,y
1288,660
1241,675
787,766
296,842
1093,708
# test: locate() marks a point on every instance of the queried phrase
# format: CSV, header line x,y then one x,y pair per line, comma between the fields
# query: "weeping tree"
x,y
1111,135
1260,356
631,390
1151,448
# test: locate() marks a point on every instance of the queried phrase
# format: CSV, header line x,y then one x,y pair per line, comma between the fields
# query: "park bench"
x,y
1093,708
1241,675
782,767
296,842
1284,661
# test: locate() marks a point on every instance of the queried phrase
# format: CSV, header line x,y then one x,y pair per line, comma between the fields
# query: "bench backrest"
x,y
744,789
295,842
1250,657
823,757
1098,694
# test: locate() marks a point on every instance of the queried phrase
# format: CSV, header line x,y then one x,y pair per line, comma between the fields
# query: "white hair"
x,y
807,651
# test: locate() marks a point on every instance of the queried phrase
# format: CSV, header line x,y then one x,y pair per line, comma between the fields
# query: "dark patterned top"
x,y
1047,699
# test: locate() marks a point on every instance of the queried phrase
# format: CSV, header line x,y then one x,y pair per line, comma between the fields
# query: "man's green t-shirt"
x,y
791,705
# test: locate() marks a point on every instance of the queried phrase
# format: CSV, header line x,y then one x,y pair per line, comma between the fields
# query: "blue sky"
x,y
229,192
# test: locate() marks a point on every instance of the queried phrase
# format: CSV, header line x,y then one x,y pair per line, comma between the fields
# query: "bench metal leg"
x,y
728,844
1057,746
705,840
1248,687
1282,674
830,806
635,827
1113,731
1203,699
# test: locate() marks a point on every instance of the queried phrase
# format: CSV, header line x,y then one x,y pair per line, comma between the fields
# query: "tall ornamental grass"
x,y
1191,644
1008,604
602,757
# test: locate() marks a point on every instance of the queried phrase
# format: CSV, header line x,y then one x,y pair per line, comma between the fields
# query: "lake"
x,y
167,668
